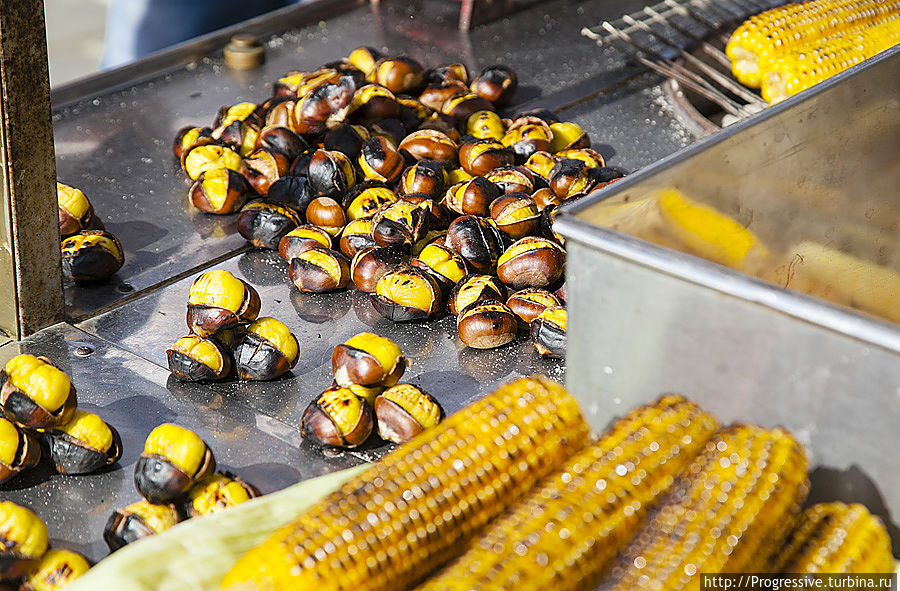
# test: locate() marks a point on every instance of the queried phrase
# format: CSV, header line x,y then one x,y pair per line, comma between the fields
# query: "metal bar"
x,y
30,252
708,48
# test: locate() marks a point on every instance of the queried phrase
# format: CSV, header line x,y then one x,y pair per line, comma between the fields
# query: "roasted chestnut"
x,y
568,135
568,178
368,360
331,173
91,255
390,129
412,112
278,139
403,411
486,325
437,93
367,393
442,123
346,138
512,179
323,107
400,224
356,236
220,191
364,199
19,450
337,418
457,175
539,113
374,102
406,294
230,114
516,214
462,106
478,240
190,136
264,223
75,211
605,175
496,84
548,216
446,265
449,72
302,238
266,350
540,164
527,139
478,157
364,58
485,125
203,157
136,521
220,301
319,269
216,492
471,197
198,359
397,74
428,144
326,213
544,198
23,540
370,264
425,176
35,393
528,303
531,262
56,569
242,132
379,160
83,445
475,288
174,458
548,332
294,191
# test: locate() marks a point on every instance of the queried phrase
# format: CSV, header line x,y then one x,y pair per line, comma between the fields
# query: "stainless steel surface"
x,y
135,396
646,320
440,364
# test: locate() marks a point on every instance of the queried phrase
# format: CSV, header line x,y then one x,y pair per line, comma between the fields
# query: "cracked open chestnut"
x,y
496,83
356,236
19,450
264,223
337,418
471,197
326,213
406,294
475,288
425,176
23,540
347,139
35,393
485,125
568,178
198,359
190,136
478,157
370,264
83,445
75,211
364,58
486,325
91,255
545,197
527,139
302,238
379,160
266,350
528,303
56,569
429,144
403,411
478,240
323,107
446,265
136,521
540,164
331,172
174,458
568,135
436,94
364,199
455,71
278,139
216,492
531,262
461,107
548,332
367,359
374,102
516,214
220,301
398,74
203,157
512,179
293,191
319,270
400,224
220,191
412,112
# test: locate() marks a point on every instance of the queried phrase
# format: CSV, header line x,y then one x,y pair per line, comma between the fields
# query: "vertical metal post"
x,y
31,295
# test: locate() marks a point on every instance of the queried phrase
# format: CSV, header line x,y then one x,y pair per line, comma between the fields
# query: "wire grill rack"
x,y
684,40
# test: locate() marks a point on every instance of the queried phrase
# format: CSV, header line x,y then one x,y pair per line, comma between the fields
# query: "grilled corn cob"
x,y
837,538
772,33
392,525
567,529
727,512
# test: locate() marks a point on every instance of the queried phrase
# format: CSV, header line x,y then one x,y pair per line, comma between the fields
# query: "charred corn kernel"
x,y
392,525
54,570
157,517
44,383
216,492
442,260
237,112
422,407
22,533
201,350
89,429
182,447
567,135
485,125
84,240
208,157
727,512
278,334
567,529
72,200
837,538
9,442
218,288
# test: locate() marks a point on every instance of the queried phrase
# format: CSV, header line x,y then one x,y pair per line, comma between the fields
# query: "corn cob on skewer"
x,y
414,510
566,530
727,512
837,538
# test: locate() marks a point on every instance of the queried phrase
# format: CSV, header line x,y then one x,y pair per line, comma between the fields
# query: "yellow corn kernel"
x,y
21,531
278,334
182,447
89,429
420,406
218,288
44,383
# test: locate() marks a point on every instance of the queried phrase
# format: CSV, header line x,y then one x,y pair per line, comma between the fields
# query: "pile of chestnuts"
x,y
89,253
42,421
366,397
177,480
406,183
227,336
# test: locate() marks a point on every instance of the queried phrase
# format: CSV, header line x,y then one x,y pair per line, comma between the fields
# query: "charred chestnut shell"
x,y
429,144
91,255
326,213
425,176
478,240
525,140
319,269
496,84
403,411
264,223
216,492
390,129
462,106
278,139
437,93
136,521
325,106
367,359
591,158
219,301
197,359
220,191
331,173
516,214
528,303
531,262
337,418
266,350
512,179
370,264
35,393
174,458
302,238
374,102
357,235
471,197
544,198
444,264
569,177
478,157
83,445
346,138
293,191
548,332
406,294
399,224
379,160
445,72
23,541
487,325
475,288
19,450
